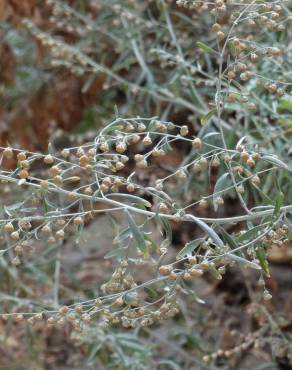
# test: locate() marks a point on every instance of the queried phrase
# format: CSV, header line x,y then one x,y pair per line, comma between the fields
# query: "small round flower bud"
x,y
267,296
60,234
9,228
147,140
220,35
165,270
192,260
187,276
231,75
216,27
184,130
142,164
78,220
83,160
19,317
163,207
119,165
21,156
255,180
8,152
14,235
121,147
48,159
44,184
51,240
23,174
203,204
130,187
97,303
138,157
196,272
65,153
250,162
46,229
24,164
244,155
63,310
197,143
16,261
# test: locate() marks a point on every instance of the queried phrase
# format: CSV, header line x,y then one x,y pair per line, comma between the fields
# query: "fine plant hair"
x,y
235,84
